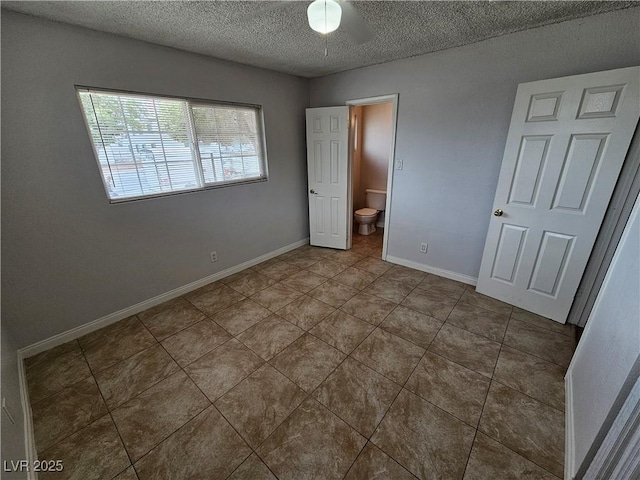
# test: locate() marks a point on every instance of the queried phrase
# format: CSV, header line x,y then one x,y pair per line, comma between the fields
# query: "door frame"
x,y
389,98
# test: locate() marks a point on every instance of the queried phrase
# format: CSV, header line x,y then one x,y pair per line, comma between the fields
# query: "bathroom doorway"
x,y
372,139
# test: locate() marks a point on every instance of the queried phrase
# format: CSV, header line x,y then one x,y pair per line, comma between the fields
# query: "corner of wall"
x,y
17,437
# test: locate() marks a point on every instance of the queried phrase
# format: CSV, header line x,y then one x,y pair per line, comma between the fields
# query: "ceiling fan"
x,y
326,16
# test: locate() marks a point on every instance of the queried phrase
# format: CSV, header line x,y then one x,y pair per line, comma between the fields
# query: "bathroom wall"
x,y
453,118
376,145
356,156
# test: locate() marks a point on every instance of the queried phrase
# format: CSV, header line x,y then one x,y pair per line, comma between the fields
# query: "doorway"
x,y
372,138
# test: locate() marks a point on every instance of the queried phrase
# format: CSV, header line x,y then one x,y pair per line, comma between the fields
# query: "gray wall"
x,y
453,117
70,257
12,434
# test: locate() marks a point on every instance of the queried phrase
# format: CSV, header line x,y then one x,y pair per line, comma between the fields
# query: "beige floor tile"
x,y
406,275
442,286
454,388
128,474
270,336
308,361
100,334
427,441
66,412
333,293
373,265
342,331
411,325
327,268
252,469
528,374
374,464
207,447
210,287
321,443
304,281
389,289
129,338
244,314
276,296
353,277
57,368
432,304
278,271
217,300
369,308
222,369
358,395
252,283
389,355
128,378
243,273
95,452
489,459
466,348
156,413
193,342
478,320
306,312
168,426
472,297
542,322
346,257
362,249
266,264
170,317
258,404
301,260
526,426
543,343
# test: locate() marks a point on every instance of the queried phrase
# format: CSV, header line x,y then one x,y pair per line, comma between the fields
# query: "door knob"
x,y
498,213
312,191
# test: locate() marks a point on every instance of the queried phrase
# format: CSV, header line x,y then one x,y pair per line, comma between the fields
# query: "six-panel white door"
x,y
566,145
327,169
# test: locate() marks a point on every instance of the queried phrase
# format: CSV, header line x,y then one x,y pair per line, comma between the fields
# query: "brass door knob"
x,y
312,191
498,213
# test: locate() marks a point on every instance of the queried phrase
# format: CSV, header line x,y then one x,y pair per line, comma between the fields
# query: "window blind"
x,y
149,145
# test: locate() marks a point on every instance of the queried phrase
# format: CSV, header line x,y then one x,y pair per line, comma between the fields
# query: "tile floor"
x,y
317,364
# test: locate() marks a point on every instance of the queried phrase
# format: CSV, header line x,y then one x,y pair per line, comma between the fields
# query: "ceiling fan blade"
x,y
354,25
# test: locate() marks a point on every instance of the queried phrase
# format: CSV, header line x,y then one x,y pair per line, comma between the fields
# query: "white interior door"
x,y
566,144
327,168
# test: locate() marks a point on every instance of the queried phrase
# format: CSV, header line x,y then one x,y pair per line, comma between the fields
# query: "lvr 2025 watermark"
x,y
38,466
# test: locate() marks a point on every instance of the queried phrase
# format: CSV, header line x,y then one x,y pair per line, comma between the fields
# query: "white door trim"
x,y
393,99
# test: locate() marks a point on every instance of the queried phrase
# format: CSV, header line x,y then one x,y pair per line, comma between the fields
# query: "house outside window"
x,y
149,146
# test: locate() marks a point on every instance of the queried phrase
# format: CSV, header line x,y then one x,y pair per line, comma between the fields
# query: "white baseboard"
x,y
99,323
29,438
569,439
459,277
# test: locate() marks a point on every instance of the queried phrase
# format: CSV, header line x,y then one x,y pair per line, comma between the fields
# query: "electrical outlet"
x,y
399,163
214,257
423,247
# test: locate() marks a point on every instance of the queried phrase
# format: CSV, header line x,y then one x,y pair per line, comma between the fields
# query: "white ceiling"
x,y
279,39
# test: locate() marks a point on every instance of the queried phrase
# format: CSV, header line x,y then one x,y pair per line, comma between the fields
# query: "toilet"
x,y
366,217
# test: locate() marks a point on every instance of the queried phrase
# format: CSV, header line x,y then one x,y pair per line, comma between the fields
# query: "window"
x,y
149,146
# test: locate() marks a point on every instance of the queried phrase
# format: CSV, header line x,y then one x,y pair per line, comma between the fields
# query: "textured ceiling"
x,y
256,33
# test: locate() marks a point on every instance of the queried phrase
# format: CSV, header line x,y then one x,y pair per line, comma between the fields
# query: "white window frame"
x,y
191,102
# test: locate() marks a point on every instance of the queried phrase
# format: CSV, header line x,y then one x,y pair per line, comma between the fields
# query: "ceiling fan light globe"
x,y
324,15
